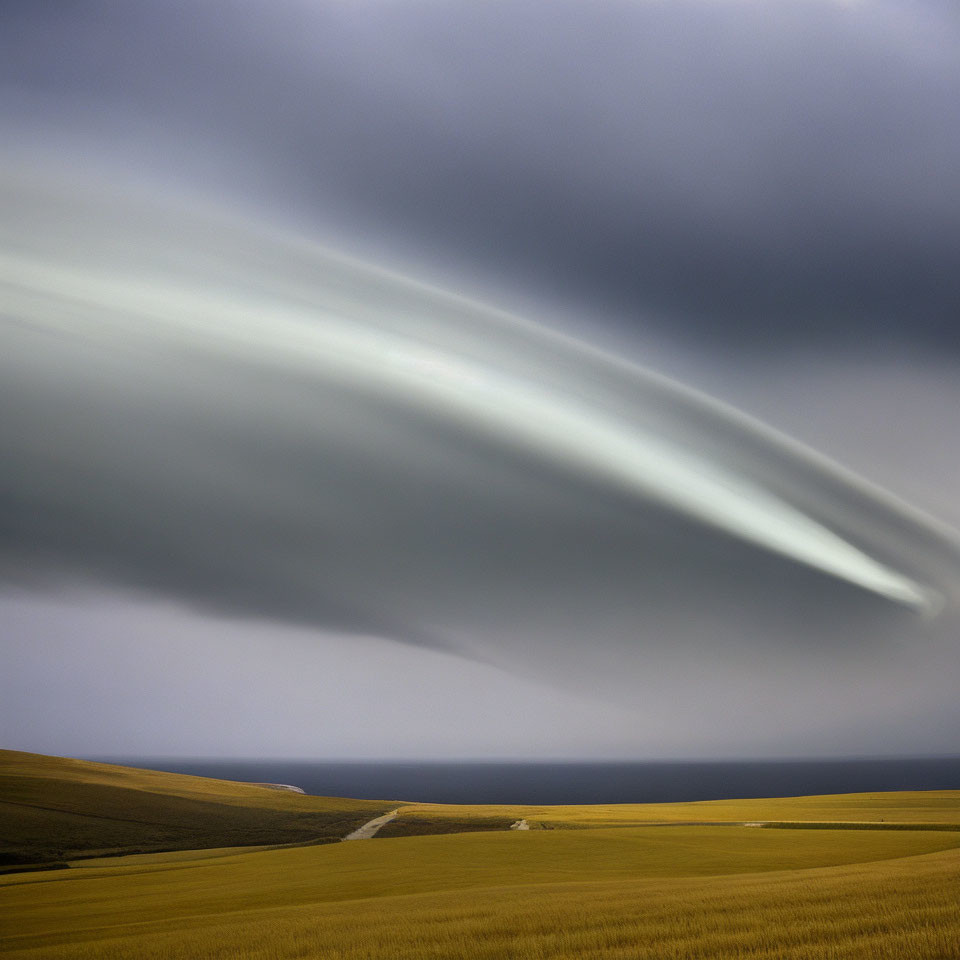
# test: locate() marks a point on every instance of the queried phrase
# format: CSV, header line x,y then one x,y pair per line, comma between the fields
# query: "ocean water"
x,y
574,782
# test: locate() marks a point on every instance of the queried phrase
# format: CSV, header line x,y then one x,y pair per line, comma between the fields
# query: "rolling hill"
x,y
54,809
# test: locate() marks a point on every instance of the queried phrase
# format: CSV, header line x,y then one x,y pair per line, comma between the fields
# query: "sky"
x,y
482,379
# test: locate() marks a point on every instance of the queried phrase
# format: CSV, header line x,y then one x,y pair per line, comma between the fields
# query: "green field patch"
x,y
412,825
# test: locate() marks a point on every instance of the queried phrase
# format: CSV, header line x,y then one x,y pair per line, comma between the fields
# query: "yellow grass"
x,y
36,766
635,892
907,807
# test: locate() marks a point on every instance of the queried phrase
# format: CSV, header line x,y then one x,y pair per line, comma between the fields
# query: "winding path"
x,y
370,828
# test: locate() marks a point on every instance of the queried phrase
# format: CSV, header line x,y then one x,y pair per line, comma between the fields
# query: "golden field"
x,y
915,808
690,890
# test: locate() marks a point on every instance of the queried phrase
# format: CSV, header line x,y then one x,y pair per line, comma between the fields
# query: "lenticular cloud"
x,y
202,407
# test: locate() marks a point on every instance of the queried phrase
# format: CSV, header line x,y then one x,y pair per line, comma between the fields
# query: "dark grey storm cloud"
x,y
757,173
200,403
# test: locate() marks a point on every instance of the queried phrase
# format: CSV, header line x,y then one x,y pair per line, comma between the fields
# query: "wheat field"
x,y
648,892
915,808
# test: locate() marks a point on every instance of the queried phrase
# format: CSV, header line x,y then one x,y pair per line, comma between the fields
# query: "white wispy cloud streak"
x,y
422,348
422,372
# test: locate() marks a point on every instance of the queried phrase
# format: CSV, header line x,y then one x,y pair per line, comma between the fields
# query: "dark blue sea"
x,y
574,782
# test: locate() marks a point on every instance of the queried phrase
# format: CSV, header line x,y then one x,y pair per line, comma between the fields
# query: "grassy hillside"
x,y
649,892
55,809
